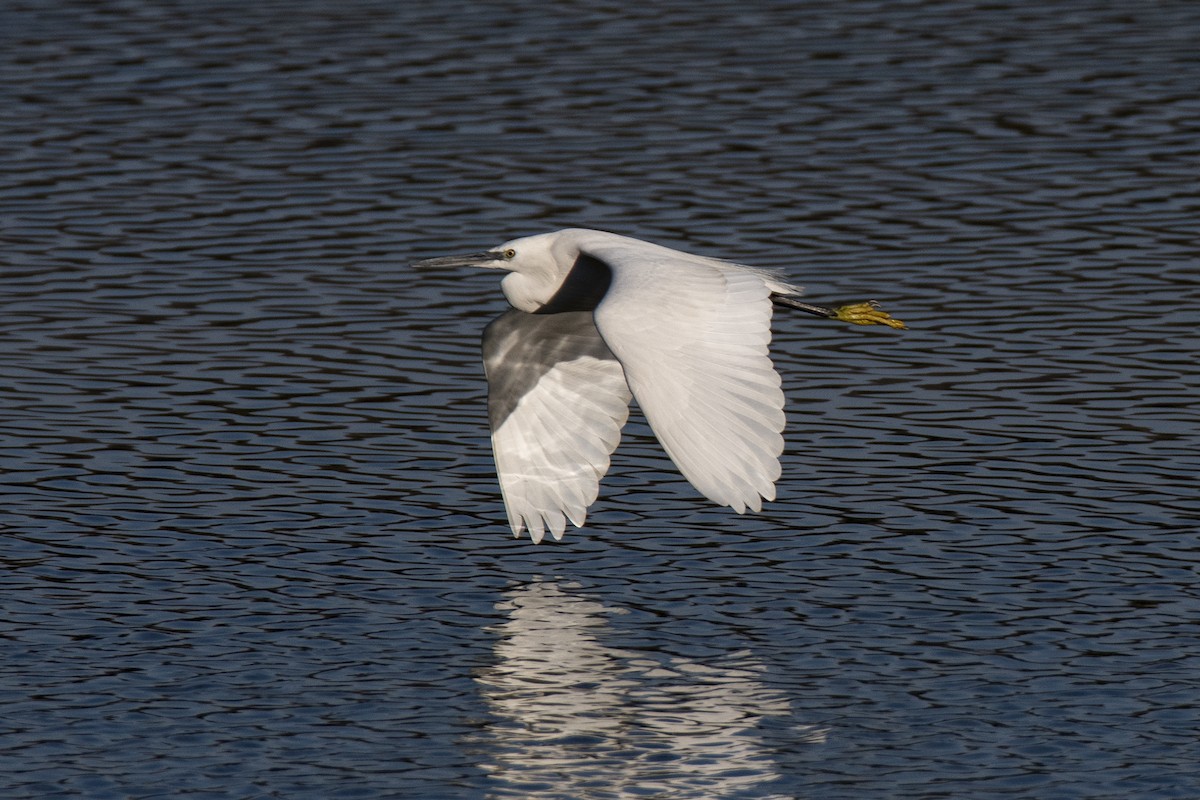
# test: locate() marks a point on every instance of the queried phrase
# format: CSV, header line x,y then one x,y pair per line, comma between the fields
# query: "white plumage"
x,y
557,401
600,316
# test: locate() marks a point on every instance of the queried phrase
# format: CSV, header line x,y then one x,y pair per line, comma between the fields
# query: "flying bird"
x,y
598,318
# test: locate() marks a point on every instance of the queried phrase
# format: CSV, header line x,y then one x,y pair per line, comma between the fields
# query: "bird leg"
x,y
868,313
807,308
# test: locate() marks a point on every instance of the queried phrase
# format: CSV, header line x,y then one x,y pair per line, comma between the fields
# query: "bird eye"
x,y
510,254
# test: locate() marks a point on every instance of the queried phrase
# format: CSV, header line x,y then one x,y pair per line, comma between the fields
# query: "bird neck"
x,y
526,293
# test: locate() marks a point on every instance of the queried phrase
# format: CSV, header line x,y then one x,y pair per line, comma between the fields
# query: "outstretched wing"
x,y
557,400
692,336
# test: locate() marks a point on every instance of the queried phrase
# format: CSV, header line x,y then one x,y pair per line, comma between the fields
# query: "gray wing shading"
x,y
557,400
692,336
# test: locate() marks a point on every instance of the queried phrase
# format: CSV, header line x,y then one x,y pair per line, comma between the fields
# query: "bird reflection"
x,y
617,723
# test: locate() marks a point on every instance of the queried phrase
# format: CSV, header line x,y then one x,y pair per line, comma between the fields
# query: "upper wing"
x,y
557,400
692,335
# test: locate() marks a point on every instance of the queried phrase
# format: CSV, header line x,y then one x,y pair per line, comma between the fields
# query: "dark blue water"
x,y
252,541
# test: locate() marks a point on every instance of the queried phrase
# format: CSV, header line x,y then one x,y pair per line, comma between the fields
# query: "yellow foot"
x,y
868,313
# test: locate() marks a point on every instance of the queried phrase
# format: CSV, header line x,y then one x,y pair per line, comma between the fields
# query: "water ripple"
x,y
253,541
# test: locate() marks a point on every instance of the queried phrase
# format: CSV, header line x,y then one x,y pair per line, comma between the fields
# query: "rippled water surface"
x,y
252,541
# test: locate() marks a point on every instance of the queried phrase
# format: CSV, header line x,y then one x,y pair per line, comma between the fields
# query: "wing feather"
x,y
557,400
692,336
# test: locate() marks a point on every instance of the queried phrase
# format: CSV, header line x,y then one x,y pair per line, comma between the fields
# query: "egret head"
x,y
537,266
542,253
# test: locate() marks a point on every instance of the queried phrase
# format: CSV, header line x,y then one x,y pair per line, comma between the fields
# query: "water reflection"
x,y
574,711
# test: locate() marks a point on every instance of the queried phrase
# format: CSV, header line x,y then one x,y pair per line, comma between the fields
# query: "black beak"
x,y
488,259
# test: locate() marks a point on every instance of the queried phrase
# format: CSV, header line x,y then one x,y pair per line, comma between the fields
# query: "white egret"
x,y
598,316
